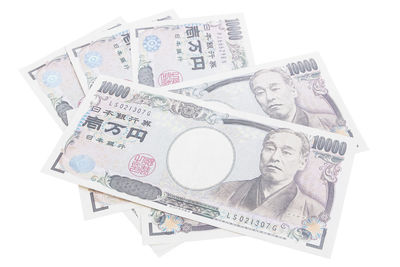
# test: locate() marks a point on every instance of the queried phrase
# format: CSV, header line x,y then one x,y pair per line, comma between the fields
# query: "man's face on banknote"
x,y
281,157
275,96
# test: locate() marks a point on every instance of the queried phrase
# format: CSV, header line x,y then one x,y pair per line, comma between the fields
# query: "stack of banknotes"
x,y
170,121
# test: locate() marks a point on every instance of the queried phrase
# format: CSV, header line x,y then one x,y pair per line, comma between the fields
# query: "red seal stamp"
x,y
142,165
169,77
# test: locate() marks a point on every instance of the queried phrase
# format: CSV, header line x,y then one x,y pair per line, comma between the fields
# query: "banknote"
x,y
242,172
297,89
107,53
159,249
314,97
54,81
186,49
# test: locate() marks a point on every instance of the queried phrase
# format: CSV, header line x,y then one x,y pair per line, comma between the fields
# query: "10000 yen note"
x,y
297,90
54,81
182,50
275,90
245,173
107,53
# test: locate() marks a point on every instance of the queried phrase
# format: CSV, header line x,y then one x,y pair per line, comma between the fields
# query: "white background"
x,y
41,219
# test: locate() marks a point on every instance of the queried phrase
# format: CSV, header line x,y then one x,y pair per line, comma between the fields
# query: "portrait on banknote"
x,y
276,93
295,90
275,193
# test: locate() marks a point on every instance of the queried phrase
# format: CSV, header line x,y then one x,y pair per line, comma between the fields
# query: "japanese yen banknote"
x,y
107,53
54,81
272,90
242,172
182,50
297,90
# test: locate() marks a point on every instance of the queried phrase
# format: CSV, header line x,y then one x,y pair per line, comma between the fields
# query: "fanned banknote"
x,y
54,81
186,49
297,90
314,98
107,53
246,173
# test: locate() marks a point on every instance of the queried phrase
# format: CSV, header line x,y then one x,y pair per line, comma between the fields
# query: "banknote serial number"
x,y
252,222
130,108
